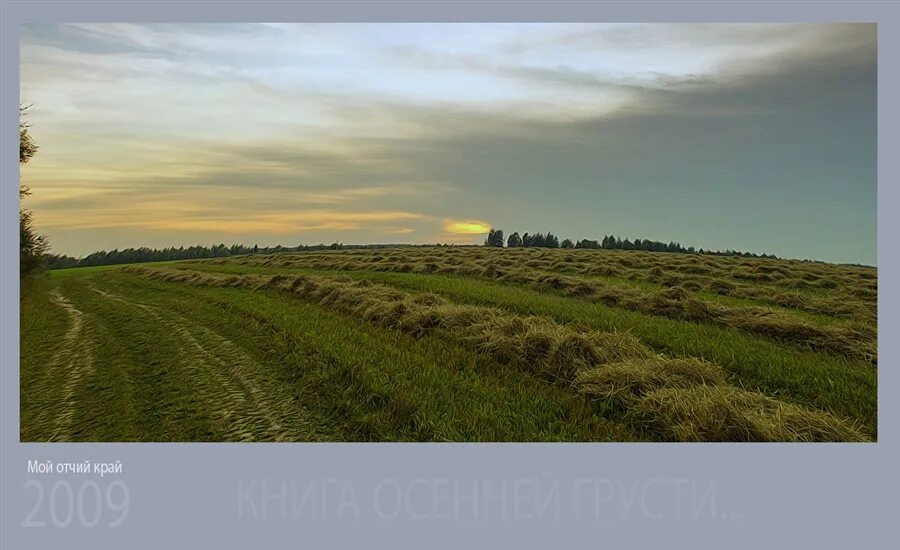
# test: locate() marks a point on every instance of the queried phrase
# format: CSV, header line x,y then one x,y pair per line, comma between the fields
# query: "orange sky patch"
x,y
466,227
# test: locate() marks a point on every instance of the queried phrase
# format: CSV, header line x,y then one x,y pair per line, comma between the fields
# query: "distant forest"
x,y
495,238
609,242
144,254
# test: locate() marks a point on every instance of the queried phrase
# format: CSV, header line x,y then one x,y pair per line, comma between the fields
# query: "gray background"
x,y
724,495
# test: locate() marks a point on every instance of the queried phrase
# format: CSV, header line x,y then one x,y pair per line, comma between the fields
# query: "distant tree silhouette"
x,y
144,254
551,240
494,238
514,240
612,242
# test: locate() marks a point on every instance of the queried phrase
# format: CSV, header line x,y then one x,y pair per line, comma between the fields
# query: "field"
x,y
452,344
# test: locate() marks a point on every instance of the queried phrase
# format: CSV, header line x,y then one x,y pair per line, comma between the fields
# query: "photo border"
x,y
196,494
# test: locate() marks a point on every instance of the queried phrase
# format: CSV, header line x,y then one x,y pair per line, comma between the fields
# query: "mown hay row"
x,y
676,302
623,383
727,413
848,306
538,344
690,400
786,273
759,279
614,367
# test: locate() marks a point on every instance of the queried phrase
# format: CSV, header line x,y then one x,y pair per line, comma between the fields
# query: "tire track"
x,y
252,413
74,360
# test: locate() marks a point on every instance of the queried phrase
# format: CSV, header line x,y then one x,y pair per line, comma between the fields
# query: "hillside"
x,y
458,344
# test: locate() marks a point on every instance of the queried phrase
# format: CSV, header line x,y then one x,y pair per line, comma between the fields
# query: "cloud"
x,y
686,132
167,215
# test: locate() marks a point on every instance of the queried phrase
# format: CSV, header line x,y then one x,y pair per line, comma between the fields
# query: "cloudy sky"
x,y
753,137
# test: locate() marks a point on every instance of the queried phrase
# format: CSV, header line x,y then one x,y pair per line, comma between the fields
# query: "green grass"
x,y
731,301
854,339
90,270
842,386
345,380
109,354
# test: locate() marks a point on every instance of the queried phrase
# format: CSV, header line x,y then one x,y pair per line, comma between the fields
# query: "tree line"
x,y
145,254
609,242
495,238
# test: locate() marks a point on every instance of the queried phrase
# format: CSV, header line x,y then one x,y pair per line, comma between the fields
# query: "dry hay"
x,y
683,399
675,302
624,382
727,413
534,343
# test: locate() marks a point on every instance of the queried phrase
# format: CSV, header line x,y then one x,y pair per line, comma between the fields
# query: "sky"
x,y
758,137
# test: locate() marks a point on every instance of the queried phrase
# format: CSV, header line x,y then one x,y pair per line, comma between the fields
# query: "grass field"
x,y
452,344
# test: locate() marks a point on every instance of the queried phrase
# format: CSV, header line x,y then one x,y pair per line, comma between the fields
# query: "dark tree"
x,y
32,246
494,238
611,242
551,240
514,240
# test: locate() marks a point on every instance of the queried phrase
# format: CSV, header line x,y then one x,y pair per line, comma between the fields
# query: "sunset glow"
x,y
178,134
